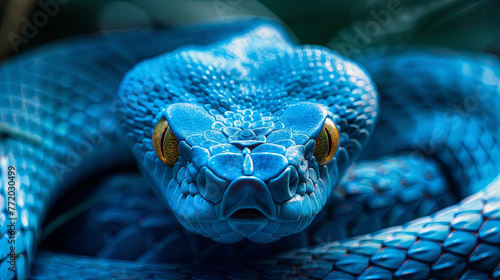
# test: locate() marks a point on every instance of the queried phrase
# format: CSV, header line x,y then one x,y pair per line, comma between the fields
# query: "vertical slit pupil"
x,y
161,141
329,142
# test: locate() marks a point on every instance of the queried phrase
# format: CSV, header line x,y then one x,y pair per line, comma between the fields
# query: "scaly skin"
x,y
52,150
246,123
256,90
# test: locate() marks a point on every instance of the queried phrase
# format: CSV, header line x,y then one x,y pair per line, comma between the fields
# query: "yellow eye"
x,y
327,143
165,145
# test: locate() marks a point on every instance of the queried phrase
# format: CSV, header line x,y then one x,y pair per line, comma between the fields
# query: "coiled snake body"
x,y
246,135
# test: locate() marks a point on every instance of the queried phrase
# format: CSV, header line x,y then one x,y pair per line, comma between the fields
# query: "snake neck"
x,y
430,112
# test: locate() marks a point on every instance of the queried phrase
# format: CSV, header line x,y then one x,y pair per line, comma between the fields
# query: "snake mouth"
x,y
248,197
247,214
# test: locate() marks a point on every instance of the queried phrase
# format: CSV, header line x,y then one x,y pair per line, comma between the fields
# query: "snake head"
x,y
245,139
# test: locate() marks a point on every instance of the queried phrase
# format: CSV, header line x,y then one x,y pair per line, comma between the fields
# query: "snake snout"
x,y
247,198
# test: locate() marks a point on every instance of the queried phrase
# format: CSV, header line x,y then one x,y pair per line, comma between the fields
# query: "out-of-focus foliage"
x,y
351,27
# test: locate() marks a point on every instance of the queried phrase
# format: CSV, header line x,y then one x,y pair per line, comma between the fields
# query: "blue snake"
x,y
246,135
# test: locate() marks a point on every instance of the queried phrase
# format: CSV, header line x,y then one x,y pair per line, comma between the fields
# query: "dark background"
x,y
351,27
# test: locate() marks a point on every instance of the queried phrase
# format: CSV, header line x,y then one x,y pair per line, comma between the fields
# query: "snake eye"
x,y
327,143
165,144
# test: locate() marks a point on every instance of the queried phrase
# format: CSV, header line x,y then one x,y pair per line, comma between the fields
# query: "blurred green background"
x,y
351,27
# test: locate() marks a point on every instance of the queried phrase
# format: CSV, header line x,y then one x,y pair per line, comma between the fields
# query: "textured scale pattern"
x,y
241,141
136,225
246,105
377,194
458,242
53,150
137,213
457,123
